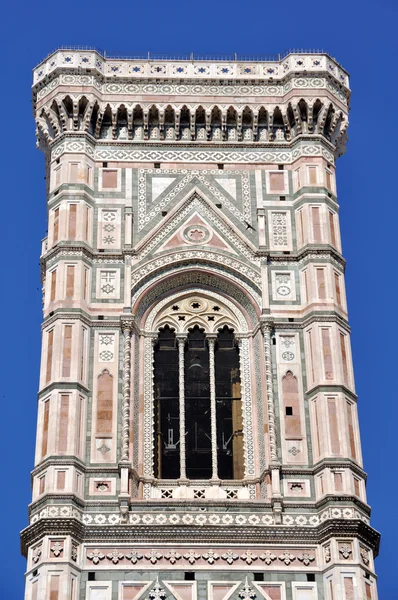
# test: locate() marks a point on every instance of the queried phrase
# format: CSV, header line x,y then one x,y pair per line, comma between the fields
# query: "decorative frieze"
x,y
184,557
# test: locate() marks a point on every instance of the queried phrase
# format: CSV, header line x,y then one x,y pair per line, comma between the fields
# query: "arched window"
x,y
198,428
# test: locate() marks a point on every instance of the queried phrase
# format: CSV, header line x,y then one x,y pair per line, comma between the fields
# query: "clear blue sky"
x,y
362,35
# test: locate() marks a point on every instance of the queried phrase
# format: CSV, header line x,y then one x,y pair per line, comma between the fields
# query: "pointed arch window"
x,y
197,404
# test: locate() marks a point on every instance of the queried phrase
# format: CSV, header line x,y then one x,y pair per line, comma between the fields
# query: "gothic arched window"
x,y
198,430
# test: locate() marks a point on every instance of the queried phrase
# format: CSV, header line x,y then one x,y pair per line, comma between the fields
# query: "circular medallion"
x,y
197,234
288,356
283,290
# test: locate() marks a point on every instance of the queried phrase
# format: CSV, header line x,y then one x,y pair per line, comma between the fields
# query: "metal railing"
x,y
191,56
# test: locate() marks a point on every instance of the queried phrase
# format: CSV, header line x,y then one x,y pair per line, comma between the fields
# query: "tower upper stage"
x,y
192,101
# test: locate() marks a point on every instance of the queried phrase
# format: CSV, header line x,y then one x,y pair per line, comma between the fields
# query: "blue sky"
x,y
362,36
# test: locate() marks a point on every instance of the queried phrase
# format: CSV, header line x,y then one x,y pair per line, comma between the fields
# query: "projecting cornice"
x,y
270,69
191,101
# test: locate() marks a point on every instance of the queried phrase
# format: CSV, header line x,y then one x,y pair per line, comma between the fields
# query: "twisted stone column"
x,y
211,339
266,329
181,339
127,328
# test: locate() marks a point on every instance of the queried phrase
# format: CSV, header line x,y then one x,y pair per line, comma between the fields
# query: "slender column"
x,y
211,339
266,329
181,340
127,330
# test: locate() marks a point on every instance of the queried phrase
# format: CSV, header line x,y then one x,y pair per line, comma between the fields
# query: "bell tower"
x,y
197,433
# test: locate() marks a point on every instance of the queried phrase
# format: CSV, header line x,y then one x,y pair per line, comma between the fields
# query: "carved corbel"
x,y
223,124
177,119
114,122
87,115
130,111
192,123
310,113
288,134
62,115
161,123
208,123
255,126
297,118
98,124
75,114
239,118
146,122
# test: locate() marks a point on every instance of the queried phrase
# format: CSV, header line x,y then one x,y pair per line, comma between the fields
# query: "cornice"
x,y
330,389
76,61
307,253
200,534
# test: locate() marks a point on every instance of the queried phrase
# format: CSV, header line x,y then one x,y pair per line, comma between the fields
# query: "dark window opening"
x,y
281,167
258,576
289,411
310,576
164,213
197,406
220,166
156,165
91,576
104,164
282,198
189,576
228,407
167,414
219,205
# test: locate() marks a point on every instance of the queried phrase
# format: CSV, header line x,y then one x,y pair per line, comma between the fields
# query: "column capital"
x,y
211,337
127,324
266,324
181,337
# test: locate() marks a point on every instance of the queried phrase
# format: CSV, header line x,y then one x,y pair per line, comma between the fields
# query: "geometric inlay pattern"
x,y
157,188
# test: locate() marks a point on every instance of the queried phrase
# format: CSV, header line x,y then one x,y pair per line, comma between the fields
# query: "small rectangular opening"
x,y
291,320
289,411
329,195
220,166
282,198
100,317
281,167
51,313
56,193
219,205
104,164
310,576
274,341
189,576
258,576
286,252
101,250
58,161
156,165
164,213
367,576
91,576
34,573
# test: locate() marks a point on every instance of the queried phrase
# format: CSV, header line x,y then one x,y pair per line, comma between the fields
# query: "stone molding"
x,y
69,60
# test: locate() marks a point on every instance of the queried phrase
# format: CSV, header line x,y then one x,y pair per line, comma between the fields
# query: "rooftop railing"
x,y
191,56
